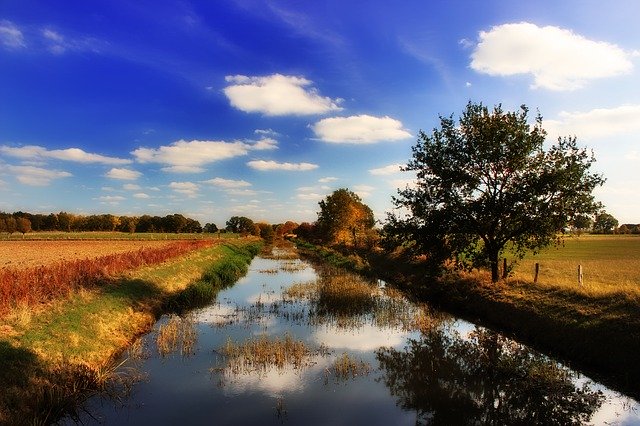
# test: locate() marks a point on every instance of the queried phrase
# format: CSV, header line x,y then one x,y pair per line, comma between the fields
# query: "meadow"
x,y
610,263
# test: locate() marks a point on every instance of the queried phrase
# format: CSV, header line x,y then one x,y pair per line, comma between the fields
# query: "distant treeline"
x,y
67,222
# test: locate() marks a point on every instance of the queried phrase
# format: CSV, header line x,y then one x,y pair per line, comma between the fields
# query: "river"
x,y
293,343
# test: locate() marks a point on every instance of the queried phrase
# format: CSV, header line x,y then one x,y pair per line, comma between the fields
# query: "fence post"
x,y
504,269
580,275
535,277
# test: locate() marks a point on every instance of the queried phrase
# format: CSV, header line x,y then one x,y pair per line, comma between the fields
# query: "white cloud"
x,y
186,188
363,190
360,129
110,199
277,94
310,196
227,183
269,133
123,174
273,165
34,152
265,144
328,179
131,187
36,176
386,170
241,192
557,58
141,195
59,44
601,122
189,156
10,35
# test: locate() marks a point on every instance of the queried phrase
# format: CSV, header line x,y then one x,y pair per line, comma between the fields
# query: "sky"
x,y
215,109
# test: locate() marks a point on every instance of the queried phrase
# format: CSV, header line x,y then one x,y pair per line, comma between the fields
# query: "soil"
x,y
28,254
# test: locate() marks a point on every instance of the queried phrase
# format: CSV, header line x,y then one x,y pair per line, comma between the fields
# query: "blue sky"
x,y
262,108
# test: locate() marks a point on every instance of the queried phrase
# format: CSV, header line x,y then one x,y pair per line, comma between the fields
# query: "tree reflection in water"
x,y
483,379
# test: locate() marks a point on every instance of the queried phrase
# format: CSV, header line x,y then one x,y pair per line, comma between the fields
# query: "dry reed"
x,y
30,287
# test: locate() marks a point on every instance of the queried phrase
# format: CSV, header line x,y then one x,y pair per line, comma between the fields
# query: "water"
x,y
439,370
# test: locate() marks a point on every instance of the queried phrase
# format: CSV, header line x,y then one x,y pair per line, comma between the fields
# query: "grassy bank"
x,y
52,358
594,328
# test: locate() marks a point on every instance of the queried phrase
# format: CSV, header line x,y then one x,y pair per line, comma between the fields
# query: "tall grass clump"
x,y
258,354
29,287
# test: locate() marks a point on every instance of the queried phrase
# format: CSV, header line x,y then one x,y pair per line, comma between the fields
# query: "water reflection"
x,y
436,368
483,378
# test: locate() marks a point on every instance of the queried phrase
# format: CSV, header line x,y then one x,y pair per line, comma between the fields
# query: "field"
x,y
610,263
25,254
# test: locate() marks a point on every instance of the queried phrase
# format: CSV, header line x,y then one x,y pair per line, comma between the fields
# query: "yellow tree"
x,y
343,218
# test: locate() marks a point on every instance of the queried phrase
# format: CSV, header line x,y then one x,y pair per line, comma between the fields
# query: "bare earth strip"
x,y
27,254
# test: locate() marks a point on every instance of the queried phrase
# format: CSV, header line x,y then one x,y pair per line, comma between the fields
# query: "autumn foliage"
x,y
46,283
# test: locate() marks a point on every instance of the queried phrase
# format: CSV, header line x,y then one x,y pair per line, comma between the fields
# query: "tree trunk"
x,y
495,267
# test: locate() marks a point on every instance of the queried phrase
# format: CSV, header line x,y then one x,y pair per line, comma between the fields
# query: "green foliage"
x,y
240,225
604,224
486,181
344,218
266,232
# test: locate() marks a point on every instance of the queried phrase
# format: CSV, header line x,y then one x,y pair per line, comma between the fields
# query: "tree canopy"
x,y
343,217
486,181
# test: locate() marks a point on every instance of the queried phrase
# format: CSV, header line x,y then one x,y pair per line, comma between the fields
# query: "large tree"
x,y
343,217
486,181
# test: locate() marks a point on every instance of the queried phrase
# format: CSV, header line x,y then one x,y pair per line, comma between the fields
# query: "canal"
x,y
296,343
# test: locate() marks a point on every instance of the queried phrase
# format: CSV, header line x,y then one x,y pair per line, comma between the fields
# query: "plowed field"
x,y
26,254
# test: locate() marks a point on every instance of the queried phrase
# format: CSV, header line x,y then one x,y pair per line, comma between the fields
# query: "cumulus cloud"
x,y
360,129
11,36
141,195
557,58
34,152
36,176
273,165
190,156
123,174
265,144
187,188
227,183
309,196
363,190
110,199
277,94
386,170
328,179
596,123
131,187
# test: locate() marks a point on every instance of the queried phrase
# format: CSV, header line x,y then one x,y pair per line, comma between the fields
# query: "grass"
x,y
34,286
177,333
93,325
351,301
611,264
97,235
346,367
258,354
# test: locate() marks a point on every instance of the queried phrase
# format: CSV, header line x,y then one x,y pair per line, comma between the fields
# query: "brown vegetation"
x,y
27,254
32,286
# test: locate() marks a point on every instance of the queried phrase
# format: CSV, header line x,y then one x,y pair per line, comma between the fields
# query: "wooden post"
x,y
504,269
535,277
580,275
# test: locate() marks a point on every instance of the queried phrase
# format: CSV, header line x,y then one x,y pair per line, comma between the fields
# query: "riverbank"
x,y
597,333
52,358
